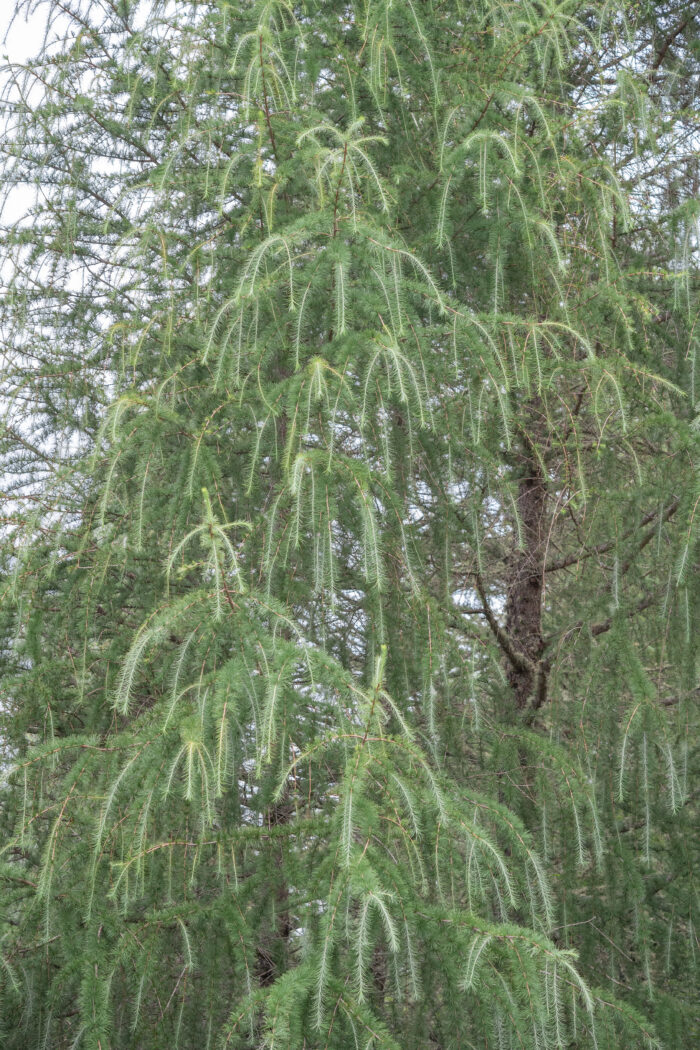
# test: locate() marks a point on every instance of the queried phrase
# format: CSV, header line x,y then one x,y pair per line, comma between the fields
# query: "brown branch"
x,y
603,626
519,660
603,548
663,50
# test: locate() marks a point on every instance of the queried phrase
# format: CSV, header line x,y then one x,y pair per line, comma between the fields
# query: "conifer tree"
x,y
349,543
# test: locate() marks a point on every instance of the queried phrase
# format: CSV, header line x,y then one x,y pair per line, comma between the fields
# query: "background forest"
x,y
349,536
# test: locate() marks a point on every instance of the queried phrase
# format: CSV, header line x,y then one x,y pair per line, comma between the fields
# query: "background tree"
x,y
350,473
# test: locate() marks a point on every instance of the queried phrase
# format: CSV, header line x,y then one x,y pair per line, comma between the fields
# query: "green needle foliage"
x,y
349,546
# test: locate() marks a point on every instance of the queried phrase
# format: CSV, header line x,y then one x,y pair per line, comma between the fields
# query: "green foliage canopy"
x,y
350,478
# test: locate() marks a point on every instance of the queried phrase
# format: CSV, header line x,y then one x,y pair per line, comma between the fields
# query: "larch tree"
x,y
348,560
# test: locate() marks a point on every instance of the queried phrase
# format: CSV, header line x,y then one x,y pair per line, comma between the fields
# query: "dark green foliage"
x,y
349,553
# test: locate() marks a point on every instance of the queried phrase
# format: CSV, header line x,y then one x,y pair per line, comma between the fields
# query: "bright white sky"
x,y
22,41
25,37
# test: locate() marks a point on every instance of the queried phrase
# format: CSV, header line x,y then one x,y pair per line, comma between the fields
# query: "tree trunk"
x,y
525,585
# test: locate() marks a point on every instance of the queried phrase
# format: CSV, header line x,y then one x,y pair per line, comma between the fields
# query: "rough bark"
x,y
525,586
